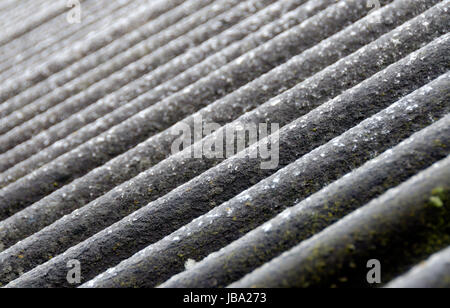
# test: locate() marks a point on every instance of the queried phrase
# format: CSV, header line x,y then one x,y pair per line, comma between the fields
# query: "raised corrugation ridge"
x,y
363,106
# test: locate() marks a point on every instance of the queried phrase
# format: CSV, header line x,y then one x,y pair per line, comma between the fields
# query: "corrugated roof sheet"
x,y
357,105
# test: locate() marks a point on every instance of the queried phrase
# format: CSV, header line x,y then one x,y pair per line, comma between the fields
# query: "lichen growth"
x,y
436,201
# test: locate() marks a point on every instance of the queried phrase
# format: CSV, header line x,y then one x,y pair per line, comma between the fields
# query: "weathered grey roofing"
x,y
433,273
86,134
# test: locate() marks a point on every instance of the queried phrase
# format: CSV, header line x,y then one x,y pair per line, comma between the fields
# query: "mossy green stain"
x,y
436,201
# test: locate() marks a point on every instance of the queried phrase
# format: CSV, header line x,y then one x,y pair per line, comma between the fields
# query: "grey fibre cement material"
x,y
431,273
157,68
13,32
117,72
115,172
136,196
169,111
46,42
194,71
222,111
387,227
157,148
89,62
247,210
188,201
357,107
49,49
295,224
81,49
105,105
11,52
20,11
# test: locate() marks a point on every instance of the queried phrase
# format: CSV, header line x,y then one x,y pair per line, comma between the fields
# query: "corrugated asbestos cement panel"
x,y
224,143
